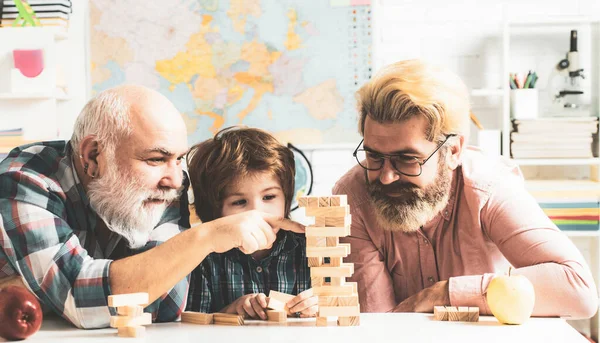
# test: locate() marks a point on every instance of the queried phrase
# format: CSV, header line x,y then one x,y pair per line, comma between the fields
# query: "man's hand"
x,y
425,300
249,231
249,305
304,303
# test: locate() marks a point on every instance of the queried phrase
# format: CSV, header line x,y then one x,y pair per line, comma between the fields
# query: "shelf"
x,y
561,20
563,185
556,161
487,92
34,96
581,233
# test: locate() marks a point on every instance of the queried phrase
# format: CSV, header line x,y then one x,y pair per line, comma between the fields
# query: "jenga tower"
x,y
131,318
337,298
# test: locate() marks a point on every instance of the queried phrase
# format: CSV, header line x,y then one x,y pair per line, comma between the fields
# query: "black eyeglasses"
x,y
405,165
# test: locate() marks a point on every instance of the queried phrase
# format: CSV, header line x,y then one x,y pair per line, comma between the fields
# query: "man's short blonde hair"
x,y
409,88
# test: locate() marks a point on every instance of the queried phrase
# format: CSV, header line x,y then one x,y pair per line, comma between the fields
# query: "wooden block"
x,y
338,200
319,222
453,315
315,261
347,289
283,297
348,300
323,231
337,281
341,250
302,201
323,201
321,321
120,321
328,212
131,331
339,221
228,319
473,314
349,321
127,299
463,313
335,262
345,270
332,241
440,313
276,304
276,316
130,311
316,281
197,318
316,242
312,202
339,311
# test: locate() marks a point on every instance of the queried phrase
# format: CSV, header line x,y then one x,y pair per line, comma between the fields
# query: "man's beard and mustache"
x,y
121,201
411,207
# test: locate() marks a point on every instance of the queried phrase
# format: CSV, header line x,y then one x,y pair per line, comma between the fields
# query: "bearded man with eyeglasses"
x,y
435,220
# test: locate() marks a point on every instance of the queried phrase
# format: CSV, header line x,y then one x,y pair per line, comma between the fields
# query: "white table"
x,y
374,328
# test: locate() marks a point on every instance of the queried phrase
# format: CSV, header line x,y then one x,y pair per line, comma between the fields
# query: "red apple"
x,y
20,313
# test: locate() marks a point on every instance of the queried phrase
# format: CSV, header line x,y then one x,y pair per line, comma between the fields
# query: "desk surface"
x,y
374,328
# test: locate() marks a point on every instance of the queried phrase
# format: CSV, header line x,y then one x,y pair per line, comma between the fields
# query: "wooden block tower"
x,y
131,318
337,298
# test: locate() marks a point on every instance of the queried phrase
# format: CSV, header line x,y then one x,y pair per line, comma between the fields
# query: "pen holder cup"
x,y
524,103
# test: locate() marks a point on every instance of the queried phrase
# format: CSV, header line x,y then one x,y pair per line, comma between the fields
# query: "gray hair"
x,y
106,116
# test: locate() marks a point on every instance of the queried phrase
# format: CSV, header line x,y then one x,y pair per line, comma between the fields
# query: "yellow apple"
x,y
511,298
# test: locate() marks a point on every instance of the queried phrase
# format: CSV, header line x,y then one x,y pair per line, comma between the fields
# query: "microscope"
x,y
572,75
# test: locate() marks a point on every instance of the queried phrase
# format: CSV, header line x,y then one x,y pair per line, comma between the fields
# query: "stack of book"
x,y
9,139
571,210
553,137
53,13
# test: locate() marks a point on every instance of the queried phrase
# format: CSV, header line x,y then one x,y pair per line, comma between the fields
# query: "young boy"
x,y
244,169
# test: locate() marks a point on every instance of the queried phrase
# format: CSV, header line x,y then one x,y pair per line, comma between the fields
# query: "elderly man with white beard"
x,y
434,221
107,213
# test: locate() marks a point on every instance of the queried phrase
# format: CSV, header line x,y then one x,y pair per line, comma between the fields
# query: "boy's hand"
x,y
250,305
249,231
305,303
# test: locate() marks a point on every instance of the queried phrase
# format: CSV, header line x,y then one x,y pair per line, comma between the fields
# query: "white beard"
x,y
119,199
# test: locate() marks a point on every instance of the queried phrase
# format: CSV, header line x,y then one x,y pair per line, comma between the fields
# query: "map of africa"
x,y
290,67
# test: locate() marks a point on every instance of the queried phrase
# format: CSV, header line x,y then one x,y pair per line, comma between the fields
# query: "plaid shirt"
x,y
222,278
48,236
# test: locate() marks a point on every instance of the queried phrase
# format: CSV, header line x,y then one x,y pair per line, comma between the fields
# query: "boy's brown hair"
x,y
233,153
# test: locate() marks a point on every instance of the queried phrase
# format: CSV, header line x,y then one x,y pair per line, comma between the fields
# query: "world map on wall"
x,y
288,66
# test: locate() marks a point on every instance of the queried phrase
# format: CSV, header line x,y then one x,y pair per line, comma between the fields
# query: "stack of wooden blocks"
x,y
130,314
456,314
212,318
337,298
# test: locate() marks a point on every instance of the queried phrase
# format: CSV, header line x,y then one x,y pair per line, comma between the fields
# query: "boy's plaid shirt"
x,y
47,235
222,278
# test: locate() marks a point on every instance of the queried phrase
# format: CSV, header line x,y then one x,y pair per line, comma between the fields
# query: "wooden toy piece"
x,y
341,250
349,321
197,318
315,242
345,270
321,321
127,299
131,331
347,289
228,319
339,311
332,241
312,202
276,316
317,281
348,300
276,304
322,231
337,281
335,262
130,310
315,261
338,200
328,212
453,315
324,202
302,202
121,321
440,313
339,221
319,222
283,297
